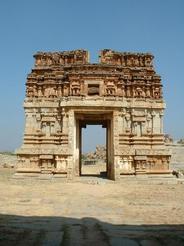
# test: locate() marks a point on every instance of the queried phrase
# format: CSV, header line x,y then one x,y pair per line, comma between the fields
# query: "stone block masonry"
x,y
65,92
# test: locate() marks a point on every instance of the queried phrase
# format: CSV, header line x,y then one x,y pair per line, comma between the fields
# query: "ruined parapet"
x,y
50,59
126,59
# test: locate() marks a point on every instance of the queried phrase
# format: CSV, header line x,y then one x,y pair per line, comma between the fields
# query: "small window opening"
x,y
93,90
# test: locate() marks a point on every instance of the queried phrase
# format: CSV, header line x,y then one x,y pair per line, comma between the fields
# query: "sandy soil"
x,y
90,211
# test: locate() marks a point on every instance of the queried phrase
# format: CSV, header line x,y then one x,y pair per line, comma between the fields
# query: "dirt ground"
x,y
90,211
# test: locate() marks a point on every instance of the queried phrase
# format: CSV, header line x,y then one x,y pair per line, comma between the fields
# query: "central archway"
x,y
105,120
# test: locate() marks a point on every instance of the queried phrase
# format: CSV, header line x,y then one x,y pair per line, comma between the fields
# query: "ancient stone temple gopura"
x,y
65,92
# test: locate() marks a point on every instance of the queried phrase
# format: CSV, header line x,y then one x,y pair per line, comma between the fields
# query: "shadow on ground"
x,y
63,231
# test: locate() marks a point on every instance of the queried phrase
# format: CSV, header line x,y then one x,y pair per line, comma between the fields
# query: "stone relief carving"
x,y
157,93
61,163
61,58
126,58
126,163
75,89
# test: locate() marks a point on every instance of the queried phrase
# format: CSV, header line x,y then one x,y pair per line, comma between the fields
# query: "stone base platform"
x,y
94,180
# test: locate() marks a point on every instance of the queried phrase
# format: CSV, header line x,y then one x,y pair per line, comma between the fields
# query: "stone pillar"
x,y
156,122
161,122
143,127
110,150
64,121
58,124
52,128
115,166
148,123
30,122
77,148
123,120
153,122
71,144
134,128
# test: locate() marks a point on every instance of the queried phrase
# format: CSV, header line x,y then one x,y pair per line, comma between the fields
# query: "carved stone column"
x,y
143,127
153,122
161,122
65,121
116,167
123,120
71,144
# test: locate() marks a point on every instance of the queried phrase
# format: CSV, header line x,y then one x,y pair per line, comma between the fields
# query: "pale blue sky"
x,y
27,26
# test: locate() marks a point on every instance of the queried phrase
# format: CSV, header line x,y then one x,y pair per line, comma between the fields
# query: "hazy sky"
x,y
27,26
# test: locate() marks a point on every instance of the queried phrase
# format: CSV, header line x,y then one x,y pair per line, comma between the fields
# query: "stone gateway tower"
x,y
64,93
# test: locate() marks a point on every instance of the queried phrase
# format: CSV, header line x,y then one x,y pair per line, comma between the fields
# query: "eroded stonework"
x,y
122,92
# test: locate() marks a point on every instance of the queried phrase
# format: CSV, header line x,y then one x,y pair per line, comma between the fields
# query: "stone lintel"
x,y
138,118
37,151
148,152
46,157
140,158
48,119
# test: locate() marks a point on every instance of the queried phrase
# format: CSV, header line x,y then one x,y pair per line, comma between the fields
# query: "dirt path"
x,y
47,212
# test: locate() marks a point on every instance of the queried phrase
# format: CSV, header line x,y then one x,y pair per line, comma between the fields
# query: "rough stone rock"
x,y
98,154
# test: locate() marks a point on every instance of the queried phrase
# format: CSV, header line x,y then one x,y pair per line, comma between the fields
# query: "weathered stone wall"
x,y
7,160
177,154
177,158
